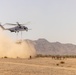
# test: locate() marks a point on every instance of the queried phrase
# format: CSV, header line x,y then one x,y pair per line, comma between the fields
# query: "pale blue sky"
x,y
54,20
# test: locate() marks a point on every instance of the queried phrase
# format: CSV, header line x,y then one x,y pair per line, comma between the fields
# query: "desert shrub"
x,y
62,62
38,55
18,57
5,57
57,64
41,55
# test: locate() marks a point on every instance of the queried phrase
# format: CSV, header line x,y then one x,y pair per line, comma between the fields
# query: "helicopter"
x,y
17,28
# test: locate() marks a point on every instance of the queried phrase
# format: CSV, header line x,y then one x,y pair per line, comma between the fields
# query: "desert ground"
x,y
37,66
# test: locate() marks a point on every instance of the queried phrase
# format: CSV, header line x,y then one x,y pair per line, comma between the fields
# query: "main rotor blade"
x,y
17,24
25,23
9,24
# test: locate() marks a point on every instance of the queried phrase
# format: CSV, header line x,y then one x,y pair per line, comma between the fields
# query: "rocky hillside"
x,y
54,48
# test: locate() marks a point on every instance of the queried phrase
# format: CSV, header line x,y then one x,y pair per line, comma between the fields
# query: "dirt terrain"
x,y
37,66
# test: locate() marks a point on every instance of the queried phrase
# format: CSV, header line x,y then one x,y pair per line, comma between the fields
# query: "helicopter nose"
x,y
26,28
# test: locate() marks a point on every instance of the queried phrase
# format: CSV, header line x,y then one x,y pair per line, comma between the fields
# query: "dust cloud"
x,y
12,49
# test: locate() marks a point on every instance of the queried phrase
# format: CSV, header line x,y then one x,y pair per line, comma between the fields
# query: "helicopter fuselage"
x,y
18,28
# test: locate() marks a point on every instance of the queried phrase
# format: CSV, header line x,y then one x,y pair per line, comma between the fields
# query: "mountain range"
x,y
45,47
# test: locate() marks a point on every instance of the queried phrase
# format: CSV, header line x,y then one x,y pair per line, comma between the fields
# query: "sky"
x,y
54,20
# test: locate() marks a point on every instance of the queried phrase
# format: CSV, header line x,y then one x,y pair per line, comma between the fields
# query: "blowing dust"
x,y
9,48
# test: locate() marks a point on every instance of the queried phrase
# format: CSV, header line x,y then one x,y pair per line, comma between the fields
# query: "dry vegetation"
x,y
38,66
